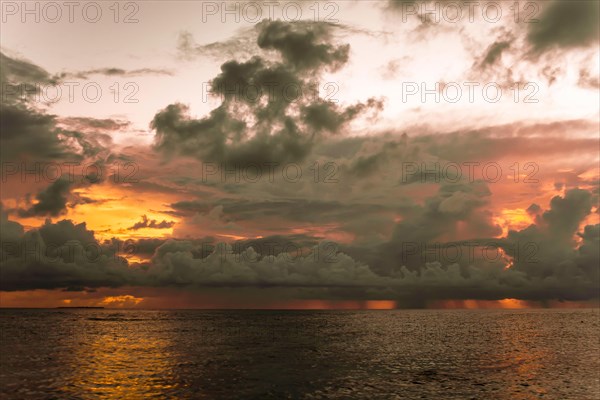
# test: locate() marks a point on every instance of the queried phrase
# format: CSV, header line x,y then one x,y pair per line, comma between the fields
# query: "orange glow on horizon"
x,y
121,301
485,304
145,298
112,212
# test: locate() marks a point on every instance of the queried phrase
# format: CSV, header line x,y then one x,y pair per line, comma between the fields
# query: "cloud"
x,y
21,71
151,223
304,45
588,80
242,44
61,255
494,53
51,201
551,240
115,72
565,24
27,131
260,120
541,275
66,255
87,123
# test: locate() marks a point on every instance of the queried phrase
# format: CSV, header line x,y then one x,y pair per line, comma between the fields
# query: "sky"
x,y
292,154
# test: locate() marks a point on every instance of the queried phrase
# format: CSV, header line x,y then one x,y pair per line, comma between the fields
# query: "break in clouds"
x,y
275,186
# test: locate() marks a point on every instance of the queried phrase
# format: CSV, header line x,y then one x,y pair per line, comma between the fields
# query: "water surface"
x,y
414,354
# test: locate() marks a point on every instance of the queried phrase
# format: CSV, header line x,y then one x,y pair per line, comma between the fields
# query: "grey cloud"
x,y
267,126
298,210
151,223
327,116
61,255
243,44
494,53
16,72
104,124
565,24
564,271
115,72
557,258
29,132
304,45
52,201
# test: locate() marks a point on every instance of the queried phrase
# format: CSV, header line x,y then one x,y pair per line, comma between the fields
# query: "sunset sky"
x,y
336,154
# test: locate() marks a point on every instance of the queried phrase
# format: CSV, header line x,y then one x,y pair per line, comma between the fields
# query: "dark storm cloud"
x,y
412,278
260,120
565,24
291,39
51,201
61,255
327,116
275,244
29,132
298,210
303,45
557,261
22,71
560,268
151,223
31,140
25,131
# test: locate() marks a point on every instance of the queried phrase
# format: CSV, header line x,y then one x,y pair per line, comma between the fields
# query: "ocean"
x,y
249,354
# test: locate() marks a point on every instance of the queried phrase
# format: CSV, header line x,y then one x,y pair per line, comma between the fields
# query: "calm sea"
x,y
429,354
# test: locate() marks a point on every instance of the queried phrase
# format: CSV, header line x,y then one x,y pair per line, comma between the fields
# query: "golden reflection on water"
x,y
116,362
521,356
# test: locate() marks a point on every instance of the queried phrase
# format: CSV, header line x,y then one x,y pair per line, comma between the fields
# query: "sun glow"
x,y
513,219
121,301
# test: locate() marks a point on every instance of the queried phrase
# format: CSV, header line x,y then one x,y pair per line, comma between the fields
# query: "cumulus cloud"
x,y
270,110
61,255
395,236
67,255
304,45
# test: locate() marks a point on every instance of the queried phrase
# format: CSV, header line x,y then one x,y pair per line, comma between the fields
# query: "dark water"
x,y
108,354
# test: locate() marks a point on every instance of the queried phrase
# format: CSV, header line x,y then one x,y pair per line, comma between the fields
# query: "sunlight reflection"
x,y
118,361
